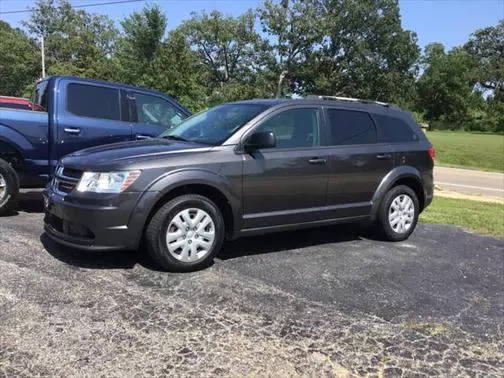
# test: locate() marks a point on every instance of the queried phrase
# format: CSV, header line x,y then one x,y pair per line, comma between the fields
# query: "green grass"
x,y
469,150
481,217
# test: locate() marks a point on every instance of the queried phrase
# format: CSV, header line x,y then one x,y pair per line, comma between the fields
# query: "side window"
x,y
395,130
351,127
156,111
294,128
93,101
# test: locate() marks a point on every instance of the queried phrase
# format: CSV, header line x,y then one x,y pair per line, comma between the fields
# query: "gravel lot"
x,y
326,302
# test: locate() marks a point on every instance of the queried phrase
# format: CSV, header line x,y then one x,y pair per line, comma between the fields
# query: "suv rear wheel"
x,y
398,214
9,187
186,233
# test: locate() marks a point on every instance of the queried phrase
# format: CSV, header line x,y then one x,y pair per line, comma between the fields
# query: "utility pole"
x,y
43,57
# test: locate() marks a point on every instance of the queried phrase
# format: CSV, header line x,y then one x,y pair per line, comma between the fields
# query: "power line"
x,y
137,1
79,6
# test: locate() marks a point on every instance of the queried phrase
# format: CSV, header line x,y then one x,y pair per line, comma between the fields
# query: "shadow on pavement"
x,y
97,260
31,202
28,201
279,242
249,246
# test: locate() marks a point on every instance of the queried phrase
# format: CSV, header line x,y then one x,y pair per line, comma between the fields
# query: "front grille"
x,y
68,228
72,173
66,179
65,187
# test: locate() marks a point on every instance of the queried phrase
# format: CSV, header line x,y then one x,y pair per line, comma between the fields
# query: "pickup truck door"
x,y
90,115
151,115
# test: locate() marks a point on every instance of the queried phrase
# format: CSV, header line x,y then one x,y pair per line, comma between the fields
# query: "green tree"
x,y
228,49
365,51
180,73
294,28
487,47
19,61
77,42
446,88
140,45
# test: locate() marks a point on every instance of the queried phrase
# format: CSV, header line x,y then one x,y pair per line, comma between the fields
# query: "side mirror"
x,y
259,140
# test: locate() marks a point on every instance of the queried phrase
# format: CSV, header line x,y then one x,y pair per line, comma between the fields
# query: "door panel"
x,y
76,133
89,117
357,163
288,184
355,174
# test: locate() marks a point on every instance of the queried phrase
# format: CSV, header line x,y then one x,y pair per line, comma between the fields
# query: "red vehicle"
x,y
17,103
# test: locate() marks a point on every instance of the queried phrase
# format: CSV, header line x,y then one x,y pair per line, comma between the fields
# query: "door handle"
x,y
142,137
72,130
384,156
317,161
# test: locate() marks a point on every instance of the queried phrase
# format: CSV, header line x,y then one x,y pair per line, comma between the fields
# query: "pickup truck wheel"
x,y
185,234
398,214
9,187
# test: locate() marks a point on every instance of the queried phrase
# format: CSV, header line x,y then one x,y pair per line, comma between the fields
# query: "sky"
x,y
447,21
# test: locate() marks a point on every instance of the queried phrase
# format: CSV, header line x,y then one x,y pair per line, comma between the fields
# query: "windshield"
x,y
215,125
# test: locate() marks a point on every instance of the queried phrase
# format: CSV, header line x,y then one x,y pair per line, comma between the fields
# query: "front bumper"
x,y
93,221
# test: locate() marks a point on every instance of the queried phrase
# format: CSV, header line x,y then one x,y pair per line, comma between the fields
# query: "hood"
x,y
127,153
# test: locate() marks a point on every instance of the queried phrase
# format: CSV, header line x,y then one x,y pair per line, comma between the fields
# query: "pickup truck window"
x,y
94,101
156,111
40,96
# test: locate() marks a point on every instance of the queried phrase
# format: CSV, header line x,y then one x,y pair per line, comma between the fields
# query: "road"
x,y
325,302
471,182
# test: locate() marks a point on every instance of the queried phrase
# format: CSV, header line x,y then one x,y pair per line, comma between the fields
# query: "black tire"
x,y
155,234
383,214
10,177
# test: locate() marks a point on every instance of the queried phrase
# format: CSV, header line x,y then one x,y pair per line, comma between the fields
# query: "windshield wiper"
x,y
175,137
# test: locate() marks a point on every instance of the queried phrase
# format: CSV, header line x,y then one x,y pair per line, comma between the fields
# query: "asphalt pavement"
x,y
325,302
467,181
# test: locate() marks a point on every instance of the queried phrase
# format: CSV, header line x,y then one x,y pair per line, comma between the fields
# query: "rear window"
x,y
40,96
395,130
94,101
14,106
351,127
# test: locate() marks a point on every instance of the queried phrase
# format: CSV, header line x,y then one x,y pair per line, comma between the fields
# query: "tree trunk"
x,y
281,78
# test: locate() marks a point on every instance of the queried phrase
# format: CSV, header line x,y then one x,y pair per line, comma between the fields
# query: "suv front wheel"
x,y
186,233
398,213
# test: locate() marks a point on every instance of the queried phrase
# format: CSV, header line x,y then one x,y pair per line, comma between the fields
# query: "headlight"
x,y
107,182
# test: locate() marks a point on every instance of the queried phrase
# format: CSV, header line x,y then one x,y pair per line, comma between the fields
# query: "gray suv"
x,y
245,168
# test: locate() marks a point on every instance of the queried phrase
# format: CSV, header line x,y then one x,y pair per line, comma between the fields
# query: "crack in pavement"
x,y
306,304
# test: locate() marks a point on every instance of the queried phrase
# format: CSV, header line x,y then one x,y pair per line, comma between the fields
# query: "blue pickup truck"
x,y
74,114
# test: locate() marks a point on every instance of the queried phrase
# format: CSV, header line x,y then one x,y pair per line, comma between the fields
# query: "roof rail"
x,y
350,99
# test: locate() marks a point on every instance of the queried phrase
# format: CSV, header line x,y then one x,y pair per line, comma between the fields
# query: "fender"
x,y
14,139
403,171
179,178
32,165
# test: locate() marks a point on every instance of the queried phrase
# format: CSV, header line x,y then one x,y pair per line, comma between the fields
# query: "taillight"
x,y
432,153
